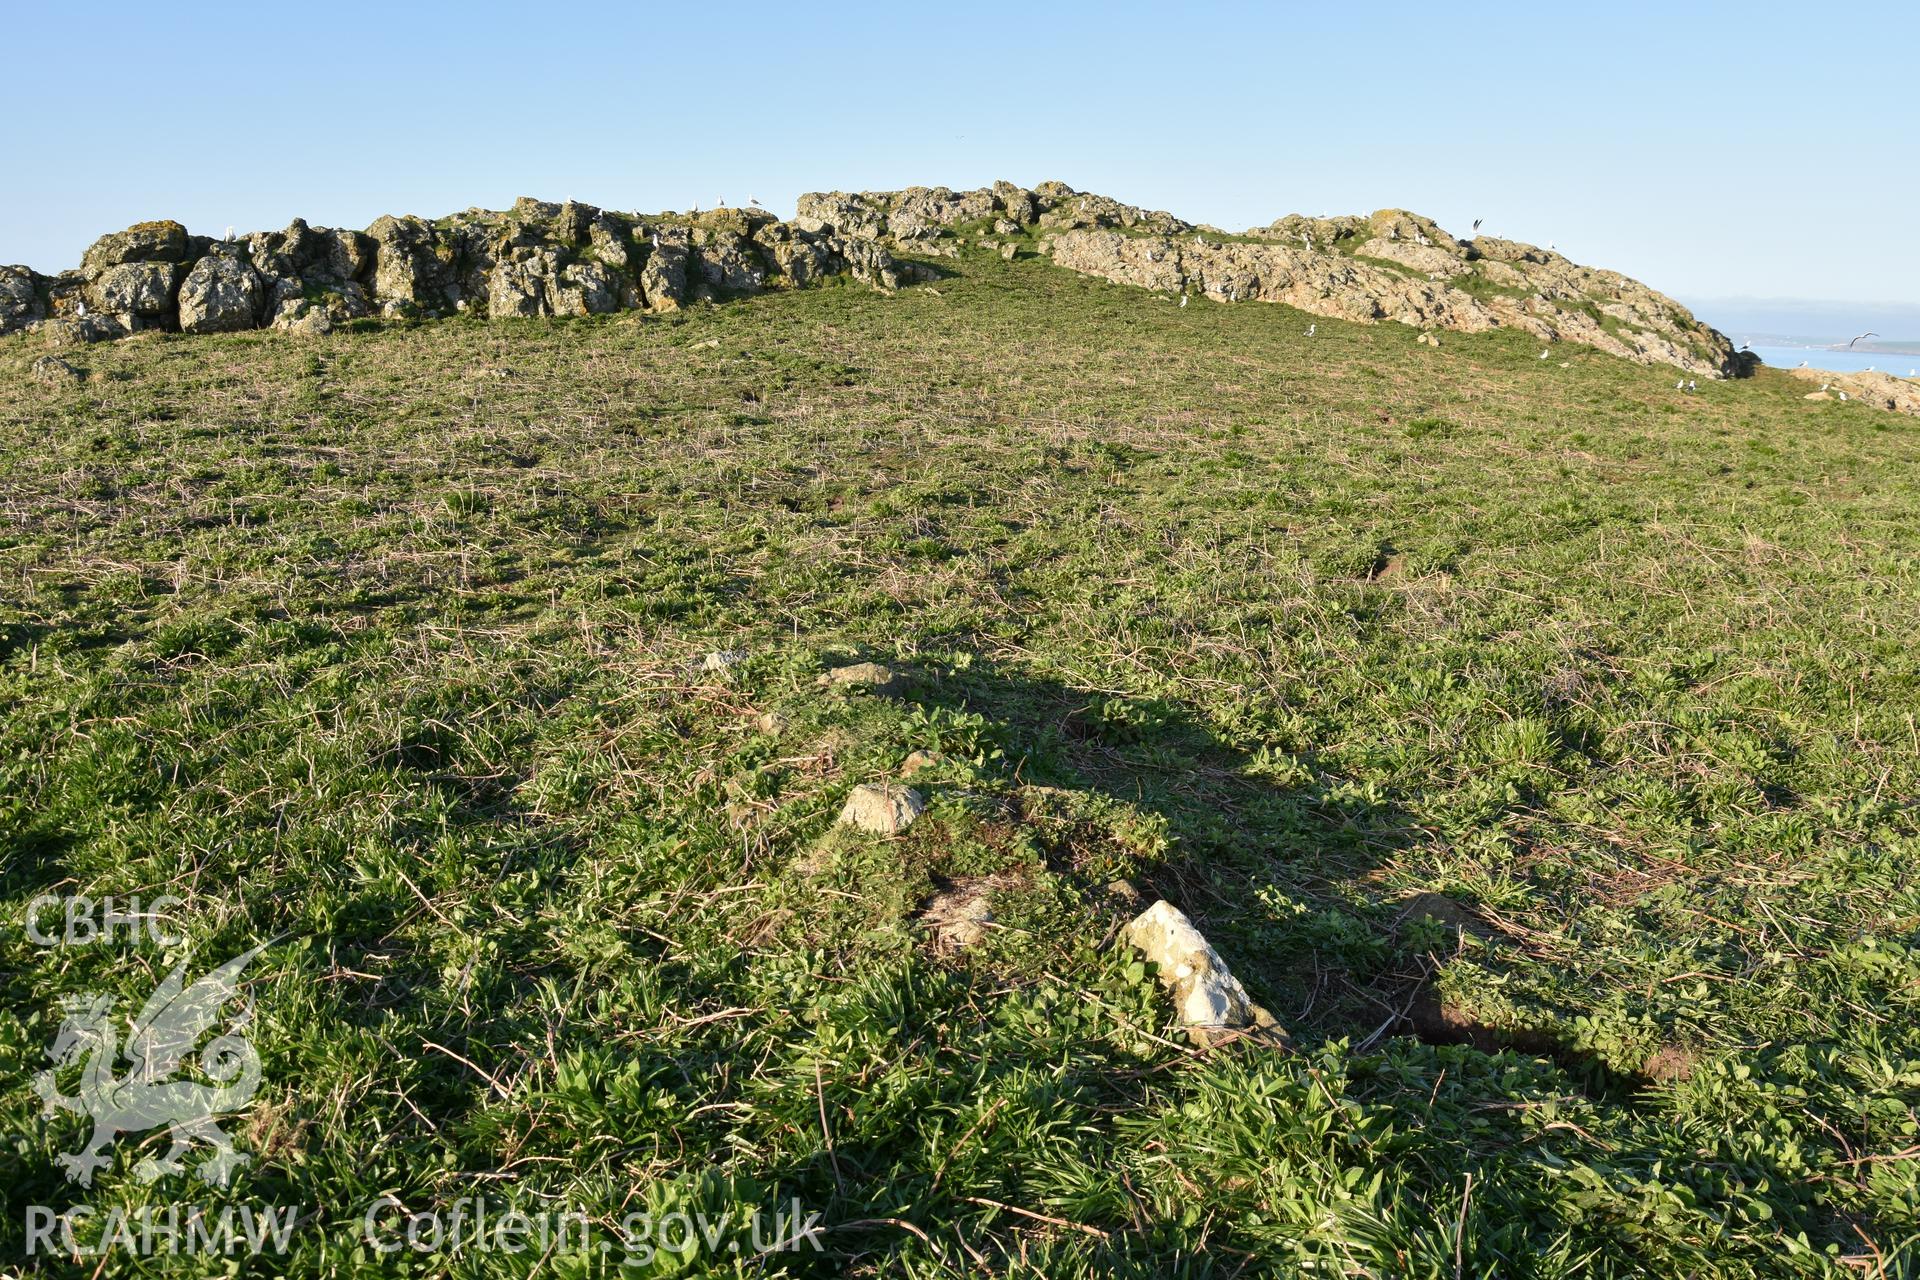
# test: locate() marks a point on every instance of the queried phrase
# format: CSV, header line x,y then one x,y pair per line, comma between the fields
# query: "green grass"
x,y
388,646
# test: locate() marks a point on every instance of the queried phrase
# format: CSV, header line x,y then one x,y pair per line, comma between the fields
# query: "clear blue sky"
x,y
1711,150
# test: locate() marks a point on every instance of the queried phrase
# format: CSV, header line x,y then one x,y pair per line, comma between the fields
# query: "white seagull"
x,y
80,310
1476,226
1545,355
1183,299
1313,328
1680,385
1868,334
229,232
1843,395
754,201
1692,385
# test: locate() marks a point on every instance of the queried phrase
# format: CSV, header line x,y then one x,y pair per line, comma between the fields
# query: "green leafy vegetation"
x,y
1536,743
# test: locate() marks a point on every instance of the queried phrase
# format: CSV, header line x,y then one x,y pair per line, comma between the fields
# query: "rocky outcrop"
x,y
1879,390
571,259
1393,265
536,259
1400,267
220,295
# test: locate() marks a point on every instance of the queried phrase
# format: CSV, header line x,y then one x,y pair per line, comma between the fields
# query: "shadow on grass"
x,y
1278,863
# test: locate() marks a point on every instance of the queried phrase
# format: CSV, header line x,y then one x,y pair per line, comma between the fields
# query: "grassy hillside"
x,y
390,646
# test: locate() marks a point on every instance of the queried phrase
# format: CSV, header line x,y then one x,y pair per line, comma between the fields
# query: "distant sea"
x,y
1838,361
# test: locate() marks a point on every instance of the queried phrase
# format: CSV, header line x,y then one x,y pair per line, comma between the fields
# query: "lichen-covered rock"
x,y
408,271
584,289
53,370
138,294
797,257
163,241
728,263
612,243
1210,1001
20,303
304,317
663,280
1401,267
840,213
870,262
222,294
73,331
1018,203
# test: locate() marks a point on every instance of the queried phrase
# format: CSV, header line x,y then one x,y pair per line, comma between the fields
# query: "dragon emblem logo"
x,y
150,1091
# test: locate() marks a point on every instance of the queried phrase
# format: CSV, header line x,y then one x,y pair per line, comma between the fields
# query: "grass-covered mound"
x,y
390,646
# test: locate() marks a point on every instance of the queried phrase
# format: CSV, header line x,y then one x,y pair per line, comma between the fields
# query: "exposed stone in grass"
x,y
722,659
1212,1004
861,675
771,723
918,760
53,369
882,809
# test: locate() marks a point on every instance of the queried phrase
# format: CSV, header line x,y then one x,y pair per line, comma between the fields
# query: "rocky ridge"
x,y
1871,387
536,259
545,259
1392,265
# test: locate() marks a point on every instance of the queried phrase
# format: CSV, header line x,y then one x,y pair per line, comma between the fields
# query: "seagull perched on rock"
x,y
754,201
229,231
80,309
1868,334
